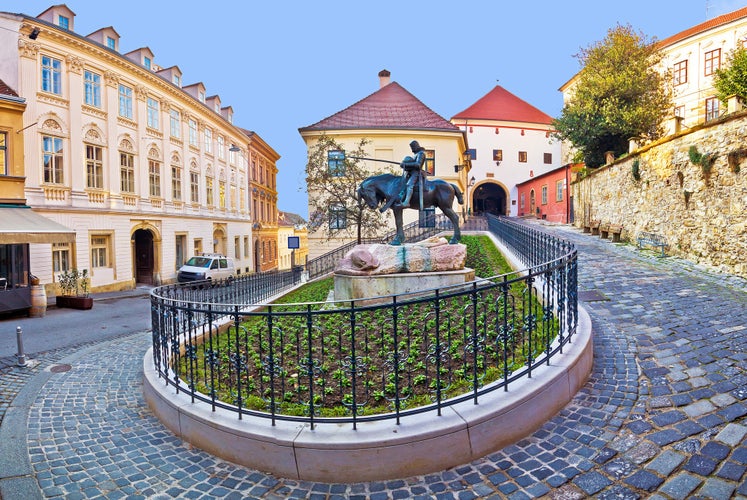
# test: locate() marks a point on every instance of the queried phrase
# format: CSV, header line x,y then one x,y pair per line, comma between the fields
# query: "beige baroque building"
x,y
145,169
389,119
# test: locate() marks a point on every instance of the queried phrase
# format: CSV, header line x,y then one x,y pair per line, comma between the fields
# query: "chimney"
x,y
384,78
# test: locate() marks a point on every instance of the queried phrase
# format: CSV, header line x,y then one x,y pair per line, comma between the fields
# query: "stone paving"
x,y
663,416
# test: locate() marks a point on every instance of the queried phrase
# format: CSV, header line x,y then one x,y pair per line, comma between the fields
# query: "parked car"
x,y
208,267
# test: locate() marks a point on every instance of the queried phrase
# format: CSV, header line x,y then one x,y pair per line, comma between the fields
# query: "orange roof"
x,y
702,27
390,107
500,104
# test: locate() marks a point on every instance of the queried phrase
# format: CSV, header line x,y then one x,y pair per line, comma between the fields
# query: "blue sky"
x,y
285,64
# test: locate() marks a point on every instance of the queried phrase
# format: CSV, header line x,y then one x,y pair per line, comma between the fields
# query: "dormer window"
x,y
230,118
111,43
146,62
63,22
202,96
217,107
177,81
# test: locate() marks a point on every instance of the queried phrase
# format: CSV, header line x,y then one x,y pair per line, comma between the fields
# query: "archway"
x,y
219,240
532,202
489,198
144,256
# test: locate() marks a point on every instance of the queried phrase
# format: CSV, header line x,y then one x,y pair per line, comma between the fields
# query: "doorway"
x,y
143,256
489,198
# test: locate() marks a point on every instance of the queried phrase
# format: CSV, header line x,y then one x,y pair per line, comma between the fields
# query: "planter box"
x,y
74,302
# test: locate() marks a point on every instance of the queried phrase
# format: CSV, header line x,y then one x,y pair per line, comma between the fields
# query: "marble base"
x,y
378,288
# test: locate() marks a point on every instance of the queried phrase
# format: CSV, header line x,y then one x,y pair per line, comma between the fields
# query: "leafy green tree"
x,y
732,78
620,93
332,186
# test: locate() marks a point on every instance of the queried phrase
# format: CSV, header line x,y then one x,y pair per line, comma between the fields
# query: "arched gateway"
x,y
489,197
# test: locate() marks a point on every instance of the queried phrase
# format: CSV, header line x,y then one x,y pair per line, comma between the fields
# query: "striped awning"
x,y
22,225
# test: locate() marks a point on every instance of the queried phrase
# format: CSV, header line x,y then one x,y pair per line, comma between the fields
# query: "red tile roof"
x,y
500,104
700,28
5,90
390,107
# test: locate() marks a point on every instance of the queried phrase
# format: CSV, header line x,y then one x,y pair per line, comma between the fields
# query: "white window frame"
x,y
92,84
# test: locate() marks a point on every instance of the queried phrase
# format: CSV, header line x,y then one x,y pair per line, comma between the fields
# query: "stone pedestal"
x,y
371,271
378,288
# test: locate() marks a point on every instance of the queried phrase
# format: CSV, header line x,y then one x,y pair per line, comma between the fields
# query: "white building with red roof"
x,y
510,142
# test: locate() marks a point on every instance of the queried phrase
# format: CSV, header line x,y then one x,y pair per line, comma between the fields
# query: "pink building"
x,y
546,196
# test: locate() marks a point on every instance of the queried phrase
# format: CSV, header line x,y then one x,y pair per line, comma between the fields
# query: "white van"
x,y
208,266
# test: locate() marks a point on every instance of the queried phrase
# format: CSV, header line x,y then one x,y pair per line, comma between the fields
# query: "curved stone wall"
x,y
379,450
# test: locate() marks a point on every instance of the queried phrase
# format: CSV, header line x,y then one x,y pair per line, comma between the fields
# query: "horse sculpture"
x,y
382,191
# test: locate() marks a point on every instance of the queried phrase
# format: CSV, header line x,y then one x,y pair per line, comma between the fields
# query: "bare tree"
x,y
332,180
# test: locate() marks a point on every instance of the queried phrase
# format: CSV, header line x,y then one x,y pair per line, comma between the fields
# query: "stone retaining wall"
x,y
702,215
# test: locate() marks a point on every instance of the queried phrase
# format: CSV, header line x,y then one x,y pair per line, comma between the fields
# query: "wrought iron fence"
x,y
353,362
325,264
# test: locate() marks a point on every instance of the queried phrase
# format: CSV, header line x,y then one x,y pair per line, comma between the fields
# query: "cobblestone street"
x,y
663,416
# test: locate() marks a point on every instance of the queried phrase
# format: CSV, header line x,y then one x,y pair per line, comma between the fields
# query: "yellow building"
x,y
389,119
293,240
146,169
19,225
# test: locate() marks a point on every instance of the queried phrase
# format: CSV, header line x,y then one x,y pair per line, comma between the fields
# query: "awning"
x,y
22,225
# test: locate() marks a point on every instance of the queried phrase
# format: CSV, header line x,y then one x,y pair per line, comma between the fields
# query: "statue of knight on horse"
x,y
387,191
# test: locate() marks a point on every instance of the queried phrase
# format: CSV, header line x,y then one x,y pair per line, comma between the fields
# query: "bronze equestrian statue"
x,y
384,191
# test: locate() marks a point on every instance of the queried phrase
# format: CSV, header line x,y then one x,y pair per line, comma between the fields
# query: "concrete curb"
x,y
379,450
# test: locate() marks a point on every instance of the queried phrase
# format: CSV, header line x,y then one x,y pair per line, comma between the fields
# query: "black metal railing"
x,y
353,361
325,264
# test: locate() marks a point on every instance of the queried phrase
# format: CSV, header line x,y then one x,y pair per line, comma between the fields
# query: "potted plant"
x,y
74,286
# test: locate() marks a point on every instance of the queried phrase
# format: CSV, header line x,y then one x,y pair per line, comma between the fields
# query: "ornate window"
x,y
94,167
127,172
193,133
176,179
53,160
176,124
92,88
51,74
194,185
125,102
208,141
153,109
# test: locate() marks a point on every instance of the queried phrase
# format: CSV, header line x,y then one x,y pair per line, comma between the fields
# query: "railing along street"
x,y
351,361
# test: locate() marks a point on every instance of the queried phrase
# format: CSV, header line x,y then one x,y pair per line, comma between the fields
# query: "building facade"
x,y
389,119
264,197
509,142
547,196
692,57
145,169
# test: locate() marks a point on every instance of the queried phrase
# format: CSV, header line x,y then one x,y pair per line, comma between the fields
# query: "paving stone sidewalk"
x,y
663,416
